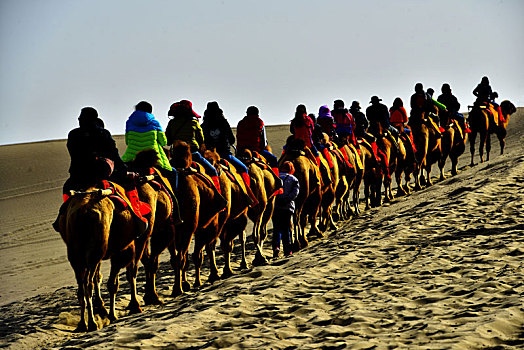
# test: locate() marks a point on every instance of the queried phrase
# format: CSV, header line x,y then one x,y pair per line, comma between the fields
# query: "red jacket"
x,y
250,133
398,116
305,131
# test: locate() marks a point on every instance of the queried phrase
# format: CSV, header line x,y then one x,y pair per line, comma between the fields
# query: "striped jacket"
x,y
144,132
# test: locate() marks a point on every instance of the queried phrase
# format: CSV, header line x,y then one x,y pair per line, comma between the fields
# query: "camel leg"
x,y
177,264
259,259
242,239
112,287
488,146
131,273
88,295
472,138
151,267
198,259
80,275
501,135
98,302
482,141
210,250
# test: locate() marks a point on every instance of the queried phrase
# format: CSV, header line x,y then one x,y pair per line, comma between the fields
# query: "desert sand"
x,y
441,268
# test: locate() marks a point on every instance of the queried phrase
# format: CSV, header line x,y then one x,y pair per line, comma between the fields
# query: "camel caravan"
x,y
190,183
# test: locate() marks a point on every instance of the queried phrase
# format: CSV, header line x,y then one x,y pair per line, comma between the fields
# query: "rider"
x,y
251,134
483,92
345,124
399,118
302,128
143,132
184,126
361,122
453,106
95,157
218,135
377,114
326,121
421,104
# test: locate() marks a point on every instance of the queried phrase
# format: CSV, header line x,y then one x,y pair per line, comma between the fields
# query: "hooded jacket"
x,y
143,132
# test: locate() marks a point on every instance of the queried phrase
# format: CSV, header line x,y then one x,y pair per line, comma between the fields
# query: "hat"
x,y
375,99
288,167
183,105
355,105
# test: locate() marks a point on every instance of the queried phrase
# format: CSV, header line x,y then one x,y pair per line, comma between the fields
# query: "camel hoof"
x,y
454,173
186,286
102,311
176,293
93,326
333,227
134,308
227,274
243,265
81,327
152,299
213,278
260,260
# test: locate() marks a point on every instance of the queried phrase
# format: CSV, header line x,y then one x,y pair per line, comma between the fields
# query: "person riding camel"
x,y
218,135
184,126
486,97
453,106
345,124
398,118
421,104
361,122
378,114
302,128
143,132
95,157
251,134
483,92
326,121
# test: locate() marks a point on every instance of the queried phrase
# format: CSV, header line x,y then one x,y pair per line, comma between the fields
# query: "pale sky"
x,y
58,56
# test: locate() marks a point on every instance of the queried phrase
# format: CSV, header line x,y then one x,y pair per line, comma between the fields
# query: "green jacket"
x,y
144,132
187,130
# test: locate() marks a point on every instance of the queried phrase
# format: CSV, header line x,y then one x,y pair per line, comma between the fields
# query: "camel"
x,y
372,175
307,203
329,190
233,220
264,185
352,174
480,123
428,146
94,229
156,191
453,143
390,154
200,205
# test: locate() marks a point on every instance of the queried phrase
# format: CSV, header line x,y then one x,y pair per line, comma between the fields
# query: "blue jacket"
x,y
286,200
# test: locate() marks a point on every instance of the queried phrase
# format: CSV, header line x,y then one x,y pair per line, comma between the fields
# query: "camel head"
x,y
181,155
507,107
145,160
212,156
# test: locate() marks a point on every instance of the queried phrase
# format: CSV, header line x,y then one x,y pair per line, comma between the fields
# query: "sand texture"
x,y
442,268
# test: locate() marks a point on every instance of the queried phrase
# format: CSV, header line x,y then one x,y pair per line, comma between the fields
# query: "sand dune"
x,y
442,268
